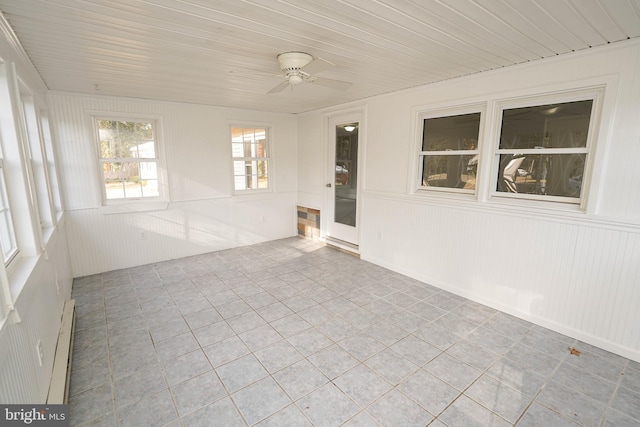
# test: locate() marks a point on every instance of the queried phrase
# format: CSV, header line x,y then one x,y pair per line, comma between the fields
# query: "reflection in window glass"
x,y
449,156
543,149
551,174
453,171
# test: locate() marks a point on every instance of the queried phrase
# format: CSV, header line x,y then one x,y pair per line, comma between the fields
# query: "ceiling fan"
x,y
299,67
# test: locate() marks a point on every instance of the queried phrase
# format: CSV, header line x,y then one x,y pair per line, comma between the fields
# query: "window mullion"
x,y
449,152
576,150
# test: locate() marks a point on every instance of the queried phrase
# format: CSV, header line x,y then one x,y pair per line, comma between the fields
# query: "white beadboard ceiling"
x,y
223,52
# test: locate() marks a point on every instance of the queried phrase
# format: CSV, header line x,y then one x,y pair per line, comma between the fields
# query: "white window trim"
x,y
5,195
270,128
143,204
51,166
596,94
420,114
38,161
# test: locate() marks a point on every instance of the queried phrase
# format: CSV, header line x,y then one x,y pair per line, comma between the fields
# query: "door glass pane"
x,y
346,174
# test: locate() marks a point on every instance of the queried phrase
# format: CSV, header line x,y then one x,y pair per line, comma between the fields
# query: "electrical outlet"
x,y
143,235
39,352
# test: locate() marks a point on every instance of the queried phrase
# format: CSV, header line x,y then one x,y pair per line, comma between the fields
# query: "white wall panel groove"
x,y
202,215
140,48
575,279
39,306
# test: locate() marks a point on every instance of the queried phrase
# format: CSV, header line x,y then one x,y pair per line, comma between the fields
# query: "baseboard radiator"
x,y
59,387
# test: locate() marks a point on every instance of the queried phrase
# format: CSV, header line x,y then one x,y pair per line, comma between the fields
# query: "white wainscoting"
x,y
39,308
576,277
101,241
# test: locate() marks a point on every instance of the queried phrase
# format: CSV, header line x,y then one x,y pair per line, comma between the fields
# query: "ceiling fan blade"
x,y
280,87
318,65
331,83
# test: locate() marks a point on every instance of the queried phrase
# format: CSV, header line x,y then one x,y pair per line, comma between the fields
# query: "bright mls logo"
x,y
36,415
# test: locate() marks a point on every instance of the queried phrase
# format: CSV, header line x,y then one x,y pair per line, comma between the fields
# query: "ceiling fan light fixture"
x,y
300,67
295,79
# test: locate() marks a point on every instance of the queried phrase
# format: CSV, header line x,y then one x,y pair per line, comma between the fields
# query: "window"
x,y
449,152
128,159
50,167
38,164
7,231
249,148
543,149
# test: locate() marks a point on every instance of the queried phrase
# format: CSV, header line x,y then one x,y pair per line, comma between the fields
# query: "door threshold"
x,y
343,246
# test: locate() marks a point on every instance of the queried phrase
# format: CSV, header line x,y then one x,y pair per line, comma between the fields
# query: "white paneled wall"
x,y
40,279
575,272
202,215
575,278
39,308
103,242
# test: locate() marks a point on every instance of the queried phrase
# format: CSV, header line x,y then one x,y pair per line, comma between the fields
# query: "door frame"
x,y
326,222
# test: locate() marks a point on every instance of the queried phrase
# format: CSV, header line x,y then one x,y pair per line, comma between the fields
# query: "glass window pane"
x,y
262,174
144,131
112,175
148,170
131,178
543,174
248,136
239,183
147,150
150,188
249,167
563,125
455,171
106,148
237,149
238,168
451,133
109,142
127,132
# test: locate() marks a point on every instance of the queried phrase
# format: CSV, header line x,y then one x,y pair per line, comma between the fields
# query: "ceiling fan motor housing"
x,y
292,62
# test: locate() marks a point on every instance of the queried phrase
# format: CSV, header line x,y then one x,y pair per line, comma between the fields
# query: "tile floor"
x,y
293,333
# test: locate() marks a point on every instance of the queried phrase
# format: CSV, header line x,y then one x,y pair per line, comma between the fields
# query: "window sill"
x,y
123,208
498,202
535,209
264,191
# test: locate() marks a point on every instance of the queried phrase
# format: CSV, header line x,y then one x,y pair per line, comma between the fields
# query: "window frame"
x,y
38,162
595,95
96,117
268,158
425,114
4,197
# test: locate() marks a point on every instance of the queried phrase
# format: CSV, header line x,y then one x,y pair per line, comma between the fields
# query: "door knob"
x,y
328,185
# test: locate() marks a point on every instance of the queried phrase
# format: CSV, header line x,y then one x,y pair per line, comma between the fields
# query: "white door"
x,y
342,186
